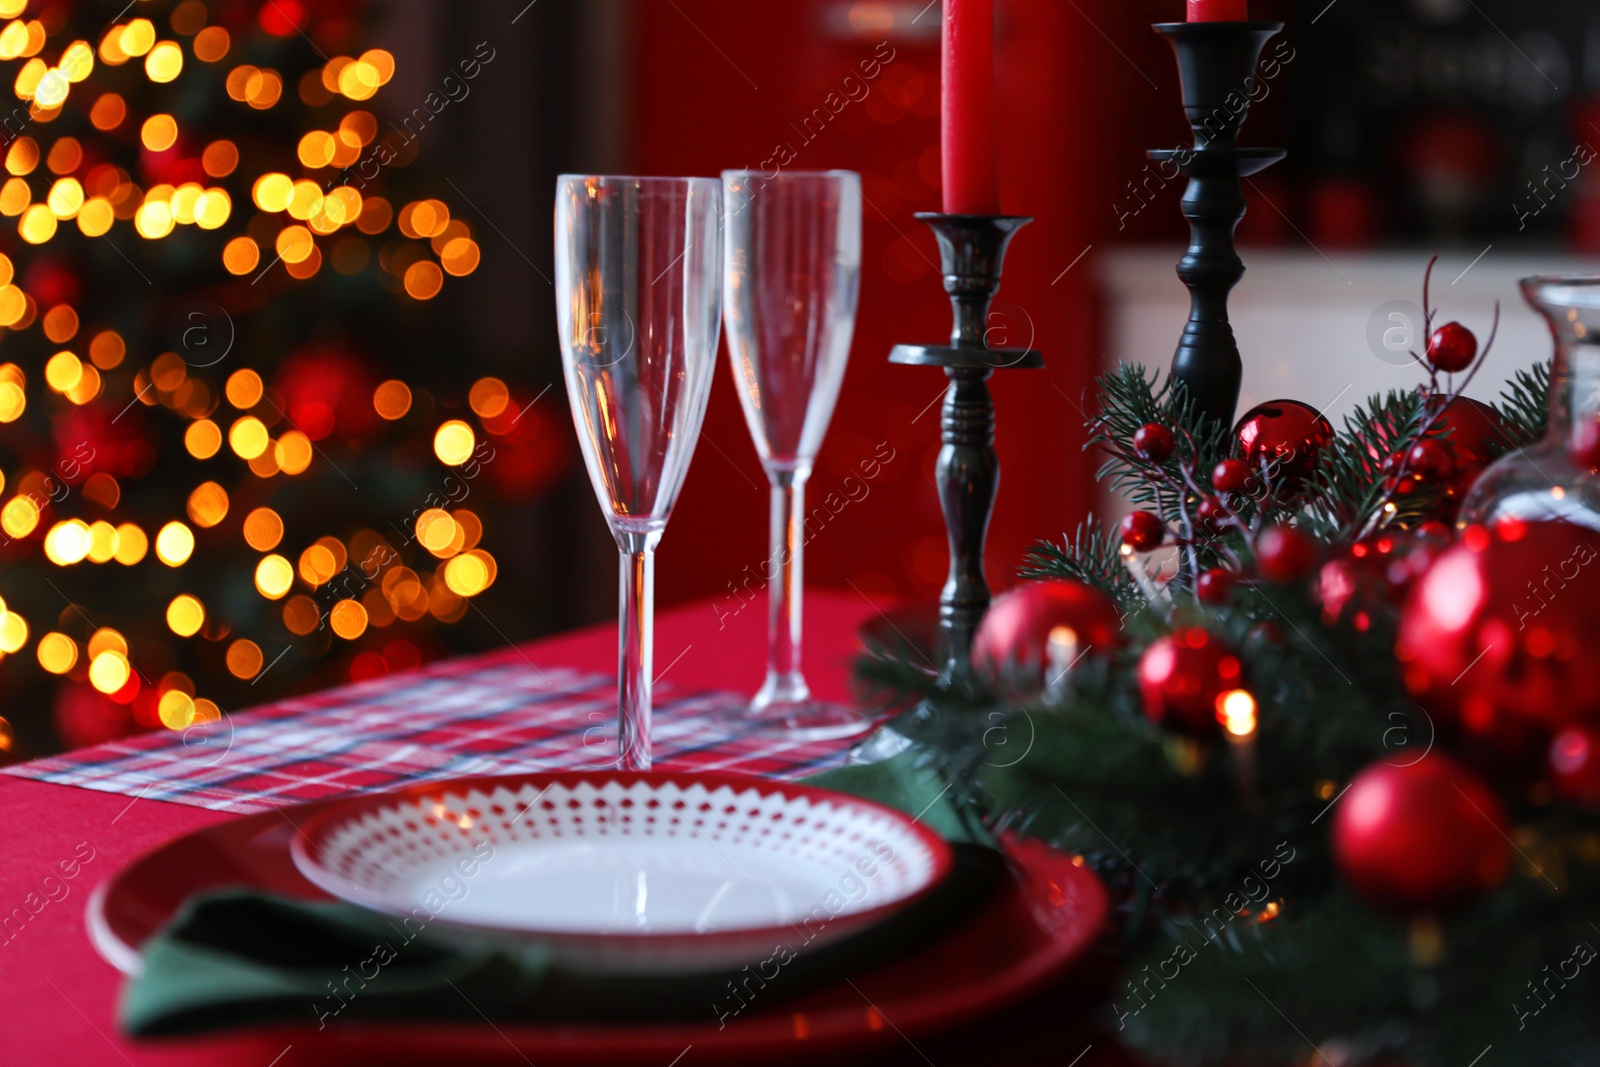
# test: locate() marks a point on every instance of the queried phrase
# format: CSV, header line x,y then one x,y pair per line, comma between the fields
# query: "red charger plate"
x,y
1042,919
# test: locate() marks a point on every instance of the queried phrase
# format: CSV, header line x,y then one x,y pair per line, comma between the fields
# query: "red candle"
x,y
1218,10
971,172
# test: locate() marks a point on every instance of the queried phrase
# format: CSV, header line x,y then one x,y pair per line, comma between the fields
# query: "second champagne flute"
x,y
792,275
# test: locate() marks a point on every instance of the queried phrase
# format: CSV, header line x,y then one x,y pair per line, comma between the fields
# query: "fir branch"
x,y
1091,556
1349,484
1524,405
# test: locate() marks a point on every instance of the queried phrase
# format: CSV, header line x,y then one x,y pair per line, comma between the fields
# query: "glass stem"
x,y
635,647
785,576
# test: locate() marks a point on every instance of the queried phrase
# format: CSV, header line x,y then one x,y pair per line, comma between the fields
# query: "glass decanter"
x,y
1552,478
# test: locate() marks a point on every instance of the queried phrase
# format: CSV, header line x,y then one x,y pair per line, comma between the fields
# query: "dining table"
x,y
538,706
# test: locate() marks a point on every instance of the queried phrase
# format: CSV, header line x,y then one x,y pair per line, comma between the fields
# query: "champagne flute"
x,y
791,282
638,308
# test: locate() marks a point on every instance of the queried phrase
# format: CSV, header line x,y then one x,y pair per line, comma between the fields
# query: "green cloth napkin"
x,y
239,957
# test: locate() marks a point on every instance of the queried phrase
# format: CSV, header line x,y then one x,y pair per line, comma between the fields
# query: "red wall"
x,y
718,84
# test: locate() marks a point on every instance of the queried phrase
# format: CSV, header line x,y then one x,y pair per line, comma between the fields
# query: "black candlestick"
x,y
1216,67
972,249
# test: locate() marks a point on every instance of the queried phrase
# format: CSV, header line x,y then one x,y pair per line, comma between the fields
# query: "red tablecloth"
x,y
57,995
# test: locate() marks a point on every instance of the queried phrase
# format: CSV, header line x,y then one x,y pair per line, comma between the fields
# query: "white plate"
x,y
653,871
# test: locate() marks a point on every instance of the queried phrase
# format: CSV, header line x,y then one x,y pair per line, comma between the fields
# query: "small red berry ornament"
x,y
1477,437
1575,764
1182,675
1211,515
1285,555
1420,836
1286,432
1013,641
1452,348
1232,476
1154,442
1142,531
1214,585
1498,634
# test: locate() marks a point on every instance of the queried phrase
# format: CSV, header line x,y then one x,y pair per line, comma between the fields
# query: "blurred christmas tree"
x,y
232,430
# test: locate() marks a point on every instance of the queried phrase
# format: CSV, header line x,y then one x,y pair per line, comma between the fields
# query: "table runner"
x,y
494,714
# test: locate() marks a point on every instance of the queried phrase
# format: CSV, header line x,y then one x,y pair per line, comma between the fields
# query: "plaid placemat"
x,y
483,715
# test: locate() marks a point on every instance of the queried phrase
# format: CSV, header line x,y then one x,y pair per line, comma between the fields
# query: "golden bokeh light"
x,y
248,437
108,112
453,443
66,156
13,401
176,709
202,439
220,159
185,615
22,157
96,216
244,658
241,255
37,225
76,62
14,197
174,544
62,371
165,62
65,198
57,653
159,132
316,149
19,517
67,542
263,529
300,615
460,256
274,576
295,244
244,388
102,542
435,530
318,564
348,619
392,399
211,44
293,452
105,639
13,632
60,324
263,88
132,544
272,191
168,371
208,505
212,209
109,671
153,220
466,575
423,280
489,397
137,38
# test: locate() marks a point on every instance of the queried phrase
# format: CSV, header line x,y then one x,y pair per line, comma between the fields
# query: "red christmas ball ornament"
x,y
1477,436
1013,641
1431,460
1214,585
1232,476
1286,432
1422,835
1575,764
1452,348
1154,442
1498,633
1143,531
1585,445
1284,554
1182,675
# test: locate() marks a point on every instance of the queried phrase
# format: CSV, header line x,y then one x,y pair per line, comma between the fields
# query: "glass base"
x,y
805,720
